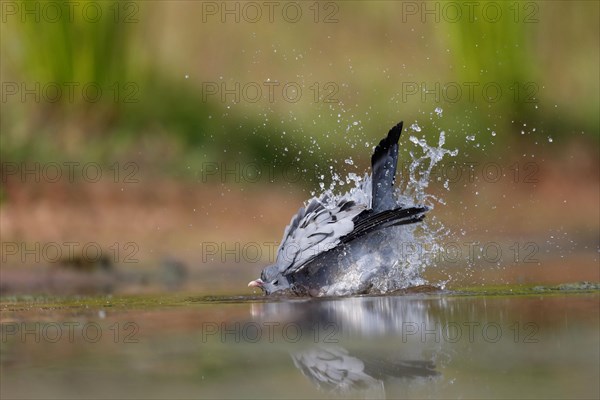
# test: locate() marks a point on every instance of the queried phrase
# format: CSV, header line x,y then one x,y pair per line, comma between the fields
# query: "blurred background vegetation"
x,y
543,56
377,63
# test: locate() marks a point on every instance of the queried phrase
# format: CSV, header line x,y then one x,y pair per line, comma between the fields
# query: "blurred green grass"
x,y
368,54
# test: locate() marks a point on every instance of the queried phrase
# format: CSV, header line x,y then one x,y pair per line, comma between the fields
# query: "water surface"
x,y
536,344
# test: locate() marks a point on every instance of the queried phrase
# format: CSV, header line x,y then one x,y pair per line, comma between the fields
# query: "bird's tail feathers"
x,y
383,164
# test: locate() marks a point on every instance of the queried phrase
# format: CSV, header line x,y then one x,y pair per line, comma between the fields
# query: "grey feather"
x,y
383,164
316,228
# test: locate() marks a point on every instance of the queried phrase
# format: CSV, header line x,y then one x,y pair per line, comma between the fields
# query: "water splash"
x,y
397,258
419,172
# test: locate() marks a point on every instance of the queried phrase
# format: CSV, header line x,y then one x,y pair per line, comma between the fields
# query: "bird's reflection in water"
x,y
335,369
359,345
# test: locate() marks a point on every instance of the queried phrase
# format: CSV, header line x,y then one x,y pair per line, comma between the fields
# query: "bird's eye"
x,y
276,282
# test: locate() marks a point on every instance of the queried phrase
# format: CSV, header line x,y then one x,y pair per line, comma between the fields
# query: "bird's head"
x,y
271,280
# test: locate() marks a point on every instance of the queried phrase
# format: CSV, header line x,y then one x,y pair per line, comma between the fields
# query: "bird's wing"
x,y
315,229
371,221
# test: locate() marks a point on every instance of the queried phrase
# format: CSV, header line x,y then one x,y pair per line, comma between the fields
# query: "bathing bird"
x,y
343,245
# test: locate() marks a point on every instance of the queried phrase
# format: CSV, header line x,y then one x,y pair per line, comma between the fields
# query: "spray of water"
x,y
397,257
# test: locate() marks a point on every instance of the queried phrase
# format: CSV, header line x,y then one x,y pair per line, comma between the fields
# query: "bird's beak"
x,y
256,283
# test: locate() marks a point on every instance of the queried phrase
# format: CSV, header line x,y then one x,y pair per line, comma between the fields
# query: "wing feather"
x,y
316,228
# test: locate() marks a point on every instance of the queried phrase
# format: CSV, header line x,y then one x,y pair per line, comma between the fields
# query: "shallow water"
x,y
536,344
